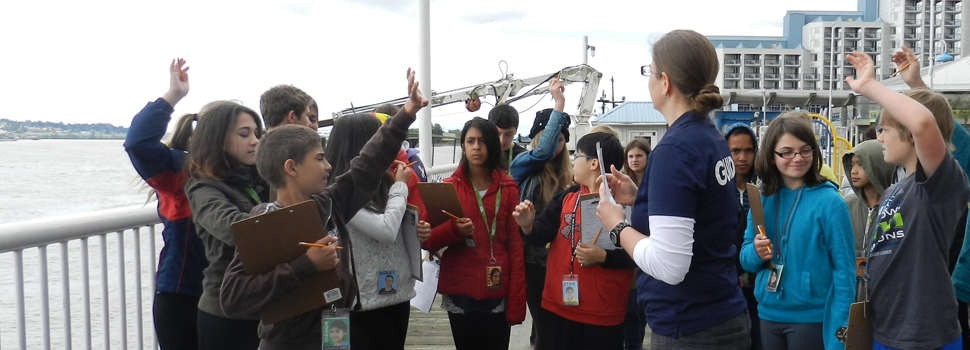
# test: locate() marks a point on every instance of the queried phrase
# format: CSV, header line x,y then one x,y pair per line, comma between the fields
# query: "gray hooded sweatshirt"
x,y
880,175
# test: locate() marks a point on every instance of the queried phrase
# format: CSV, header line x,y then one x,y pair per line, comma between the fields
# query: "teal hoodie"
x,y
818,279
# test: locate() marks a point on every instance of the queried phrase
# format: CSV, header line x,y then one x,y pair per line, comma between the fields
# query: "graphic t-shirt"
x,y
912,300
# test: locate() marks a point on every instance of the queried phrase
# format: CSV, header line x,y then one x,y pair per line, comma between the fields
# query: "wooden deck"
x,y
432,331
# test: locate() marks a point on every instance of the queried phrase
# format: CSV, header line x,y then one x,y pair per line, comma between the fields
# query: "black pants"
x,y
379,329
572,335
175,316
634,324
478,330
535,280
218,333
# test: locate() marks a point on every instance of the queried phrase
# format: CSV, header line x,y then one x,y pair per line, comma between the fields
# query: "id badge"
x,y
493,277
336,329
470,242
774,278
860,266
570,290
386,282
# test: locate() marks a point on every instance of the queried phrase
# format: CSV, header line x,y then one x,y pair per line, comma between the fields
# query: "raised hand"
x,y
324,258
415,101
623,188
864,71
556,89
424,230
524,215
910,73
178,85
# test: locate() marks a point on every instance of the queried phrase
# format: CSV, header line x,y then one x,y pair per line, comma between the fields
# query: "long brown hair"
x,y
208,158
799,125
636,143
691,64
556,174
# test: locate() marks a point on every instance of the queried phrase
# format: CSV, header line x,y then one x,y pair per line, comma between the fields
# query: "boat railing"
x,y
116,284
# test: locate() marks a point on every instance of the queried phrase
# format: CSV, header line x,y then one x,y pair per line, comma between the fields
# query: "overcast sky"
x,y
98,61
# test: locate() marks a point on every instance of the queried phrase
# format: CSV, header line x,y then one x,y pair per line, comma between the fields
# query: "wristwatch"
x,y
615,233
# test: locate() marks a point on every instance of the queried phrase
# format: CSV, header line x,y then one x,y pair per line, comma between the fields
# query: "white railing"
x,y
76,323
79,325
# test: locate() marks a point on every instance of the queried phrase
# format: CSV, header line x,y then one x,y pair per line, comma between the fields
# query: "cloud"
x,y
504,15
386,5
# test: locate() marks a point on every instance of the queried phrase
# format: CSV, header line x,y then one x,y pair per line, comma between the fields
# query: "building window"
x,y
892,31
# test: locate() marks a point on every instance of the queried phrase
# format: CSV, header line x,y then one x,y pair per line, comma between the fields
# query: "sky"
x,y
100,61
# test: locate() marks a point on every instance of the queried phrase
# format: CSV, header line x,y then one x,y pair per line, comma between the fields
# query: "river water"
x,y
48,178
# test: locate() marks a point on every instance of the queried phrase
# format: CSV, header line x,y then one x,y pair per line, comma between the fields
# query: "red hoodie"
x,y
463,268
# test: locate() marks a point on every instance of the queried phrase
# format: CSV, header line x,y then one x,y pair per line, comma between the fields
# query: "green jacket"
x,y
880,175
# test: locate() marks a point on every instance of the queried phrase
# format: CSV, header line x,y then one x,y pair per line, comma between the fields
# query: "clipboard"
x,y
267,240
858,334
438,196
590,224
409,230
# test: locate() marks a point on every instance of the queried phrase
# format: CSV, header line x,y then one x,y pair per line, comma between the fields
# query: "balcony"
x,y
829,35
810,76
827,77
952,23
771,76
872,36
870,49
752,76
793,63
849,64
791,88
752,62
773,63
790,76
913,9
911,36
828,49
851,35
911,22
955,50
732,75
735,62
851,48
951,36
953,9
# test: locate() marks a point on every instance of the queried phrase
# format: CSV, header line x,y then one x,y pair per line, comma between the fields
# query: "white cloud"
x,y
101,60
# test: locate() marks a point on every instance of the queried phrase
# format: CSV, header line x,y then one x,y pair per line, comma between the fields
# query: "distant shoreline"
x,y
65,137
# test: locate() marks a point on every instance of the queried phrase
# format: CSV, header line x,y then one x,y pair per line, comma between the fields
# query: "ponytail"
x,y
183,132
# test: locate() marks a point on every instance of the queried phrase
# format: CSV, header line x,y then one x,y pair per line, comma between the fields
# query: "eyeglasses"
x,y
577,156
645,70
806,154
878,129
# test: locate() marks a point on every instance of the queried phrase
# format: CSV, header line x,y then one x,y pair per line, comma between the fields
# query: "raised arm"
x,y
930,146
353,189
529,163
144,140
910,74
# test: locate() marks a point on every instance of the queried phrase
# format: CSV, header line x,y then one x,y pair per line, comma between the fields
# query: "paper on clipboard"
x,y
590,224
409,230
599,157
267,240
427,289
438,196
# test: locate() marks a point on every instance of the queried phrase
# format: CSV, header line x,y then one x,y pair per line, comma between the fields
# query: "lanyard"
x,y
481,210
509,164
252,193
572,232
784,229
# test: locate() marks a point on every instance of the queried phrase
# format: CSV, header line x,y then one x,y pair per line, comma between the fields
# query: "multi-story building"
x,y
806,66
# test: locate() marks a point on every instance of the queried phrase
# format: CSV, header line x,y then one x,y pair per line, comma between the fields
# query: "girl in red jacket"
x,y
482,278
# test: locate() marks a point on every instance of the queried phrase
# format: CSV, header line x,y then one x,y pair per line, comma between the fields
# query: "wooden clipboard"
x,y
858,334
267,240
438,196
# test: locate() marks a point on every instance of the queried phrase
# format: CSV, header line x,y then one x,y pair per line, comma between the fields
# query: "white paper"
x,y
590,224
599,157
410,232
425,291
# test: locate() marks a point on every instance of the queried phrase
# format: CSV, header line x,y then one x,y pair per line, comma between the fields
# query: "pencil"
x,y
410,164
454,217
769,249
761,230
597,235
900,69
317,245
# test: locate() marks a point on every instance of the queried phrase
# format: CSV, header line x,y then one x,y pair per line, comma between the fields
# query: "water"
x,y
48,178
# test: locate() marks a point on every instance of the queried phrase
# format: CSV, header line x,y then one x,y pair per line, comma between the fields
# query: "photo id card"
x,y
774,278
470,242
386,282
570,290
493,277
336,329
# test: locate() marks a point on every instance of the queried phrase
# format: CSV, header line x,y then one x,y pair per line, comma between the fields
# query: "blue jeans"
x,y
954,345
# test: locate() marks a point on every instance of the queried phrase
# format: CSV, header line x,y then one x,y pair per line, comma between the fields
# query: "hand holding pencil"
x,y
762,246
323,253
462,225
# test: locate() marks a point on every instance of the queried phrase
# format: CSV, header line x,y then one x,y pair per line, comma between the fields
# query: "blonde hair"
x,y
937,105
605,128
556,174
